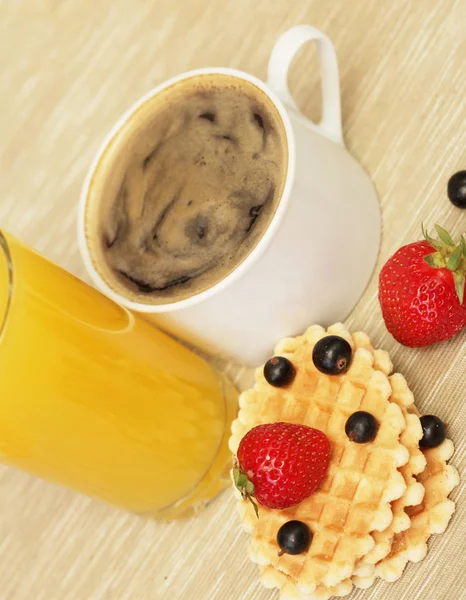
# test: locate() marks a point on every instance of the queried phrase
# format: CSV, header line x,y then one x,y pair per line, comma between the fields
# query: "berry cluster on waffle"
x,y
338,479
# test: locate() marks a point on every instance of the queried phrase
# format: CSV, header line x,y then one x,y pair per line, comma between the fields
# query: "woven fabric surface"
x,y
68,69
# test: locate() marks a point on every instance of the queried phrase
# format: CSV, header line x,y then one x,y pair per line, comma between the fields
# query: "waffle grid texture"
x,y
375,509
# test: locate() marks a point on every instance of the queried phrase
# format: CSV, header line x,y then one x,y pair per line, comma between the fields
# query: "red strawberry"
x,y
422,289
281,464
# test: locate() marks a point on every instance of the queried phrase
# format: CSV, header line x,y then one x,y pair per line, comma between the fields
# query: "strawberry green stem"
x,y
245,486
448,255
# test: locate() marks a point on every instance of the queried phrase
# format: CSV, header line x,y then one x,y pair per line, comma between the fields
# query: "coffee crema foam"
x,y
186,189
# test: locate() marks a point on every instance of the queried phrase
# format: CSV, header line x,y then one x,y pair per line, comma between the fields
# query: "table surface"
x,y
68,70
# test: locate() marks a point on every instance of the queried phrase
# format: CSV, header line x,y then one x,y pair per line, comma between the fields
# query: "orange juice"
x,y
95,398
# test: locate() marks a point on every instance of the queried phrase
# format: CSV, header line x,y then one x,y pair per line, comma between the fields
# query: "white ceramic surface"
x,y
315,259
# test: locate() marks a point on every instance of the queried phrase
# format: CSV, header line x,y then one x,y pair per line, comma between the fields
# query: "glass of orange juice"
x,y
95,398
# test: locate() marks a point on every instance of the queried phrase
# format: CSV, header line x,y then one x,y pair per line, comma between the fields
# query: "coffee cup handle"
x,y
280,60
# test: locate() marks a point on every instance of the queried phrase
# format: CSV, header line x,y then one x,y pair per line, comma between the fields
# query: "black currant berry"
x,y
279,371
294,537
361,427
457,189
434,432
332,355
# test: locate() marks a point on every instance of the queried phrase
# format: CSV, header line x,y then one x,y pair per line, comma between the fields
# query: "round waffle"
x,y
431,516
363,480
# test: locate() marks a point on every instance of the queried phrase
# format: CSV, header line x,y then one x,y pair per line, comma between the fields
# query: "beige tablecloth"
x,y
67,70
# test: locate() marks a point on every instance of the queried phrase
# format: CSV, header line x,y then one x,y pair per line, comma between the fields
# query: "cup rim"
x,y
261,245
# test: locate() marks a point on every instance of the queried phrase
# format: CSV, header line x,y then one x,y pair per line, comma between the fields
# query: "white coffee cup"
x,y
315,258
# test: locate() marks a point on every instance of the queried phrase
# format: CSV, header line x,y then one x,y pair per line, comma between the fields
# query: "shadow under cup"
x,y
95,398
